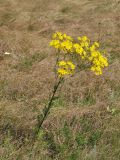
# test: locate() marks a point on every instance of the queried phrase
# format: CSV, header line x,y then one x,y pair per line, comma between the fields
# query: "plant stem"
x,y
47,109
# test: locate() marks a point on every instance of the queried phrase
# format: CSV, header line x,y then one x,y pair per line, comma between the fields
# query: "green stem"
x,y
48,106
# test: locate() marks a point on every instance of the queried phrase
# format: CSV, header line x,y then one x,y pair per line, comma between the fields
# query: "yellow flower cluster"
x,y
65,68
84,48
62,42
98,60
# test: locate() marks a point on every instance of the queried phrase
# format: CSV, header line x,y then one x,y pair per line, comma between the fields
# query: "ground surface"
x,y
84,123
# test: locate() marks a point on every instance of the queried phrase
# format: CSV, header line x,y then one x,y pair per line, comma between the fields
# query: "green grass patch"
x,y
27,62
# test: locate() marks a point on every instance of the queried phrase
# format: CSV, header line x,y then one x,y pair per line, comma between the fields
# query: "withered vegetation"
x,y
84,123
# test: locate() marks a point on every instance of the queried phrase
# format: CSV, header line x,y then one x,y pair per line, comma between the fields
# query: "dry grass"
x,y
27,78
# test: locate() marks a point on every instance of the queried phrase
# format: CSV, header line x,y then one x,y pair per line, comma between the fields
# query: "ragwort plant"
x,y
71,53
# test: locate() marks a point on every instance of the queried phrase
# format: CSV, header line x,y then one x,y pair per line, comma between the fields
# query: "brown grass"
x,y
27,78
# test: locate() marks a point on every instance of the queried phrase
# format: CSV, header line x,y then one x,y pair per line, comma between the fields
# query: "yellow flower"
x,y
86,44
94,54
67,46
55,43
96,44
88,52
64,36
72,66
62,63
62,72
84,38
76,45
92,48
69,38
54,36
96,69
78,48
84,53
79,38
62,42
82,44
65,68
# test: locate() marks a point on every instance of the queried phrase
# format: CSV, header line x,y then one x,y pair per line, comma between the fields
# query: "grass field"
x,y
84,123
